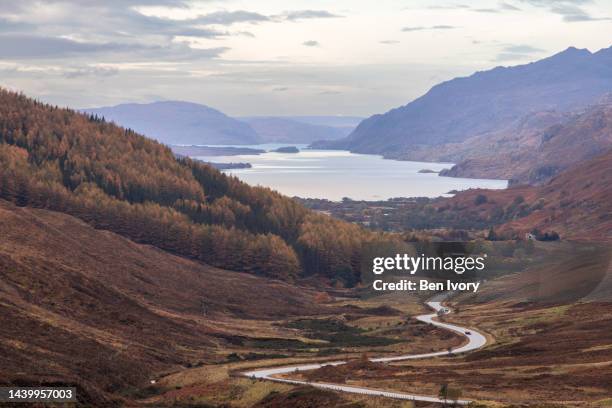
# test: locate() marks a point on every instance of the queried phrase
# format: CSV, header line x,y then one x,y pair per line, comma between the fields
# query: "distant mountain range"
x,y
533,153
484,102
176,123
301,129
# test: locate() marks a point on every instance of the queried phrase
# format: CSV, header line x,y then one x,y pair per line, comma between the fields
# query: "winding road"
x,y
475,341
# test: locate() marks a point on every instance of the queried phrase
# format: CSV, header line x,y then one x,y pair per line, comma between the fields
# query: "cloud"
x,y
389,42
133,3
311,43
307,14
25,46
524,49
502,6
435,27
245,34
545,3
508,6
280,89
570,10
12,7
486,10
137,23
35,46
228,18
110,29
7,26
449,7
195,32
572,13
514,52
118,19
91,71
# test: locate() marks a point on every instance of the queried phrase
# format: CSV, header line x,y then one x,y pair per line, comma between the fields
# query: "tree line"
x,y
116,179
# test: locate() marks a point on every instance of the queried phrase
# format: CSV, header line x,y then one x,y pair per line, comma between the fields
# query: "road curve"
x,y
475,341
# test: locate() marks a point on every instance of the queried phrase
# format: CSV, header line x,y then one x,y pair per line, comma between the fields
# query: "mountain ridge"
x,y
175,122
463,107
179,122
539,153
278,129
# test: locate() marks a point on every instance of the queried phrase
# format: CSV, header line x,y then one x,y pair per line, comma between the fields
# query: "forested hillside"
x,y
118,180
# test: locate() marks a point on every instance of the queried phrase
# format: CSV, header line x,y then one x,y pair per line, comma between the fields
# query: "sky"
x,y
278,57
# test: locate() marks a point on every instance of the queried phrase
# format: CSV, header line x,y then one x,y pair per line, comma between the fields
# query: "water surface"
x,y
335,174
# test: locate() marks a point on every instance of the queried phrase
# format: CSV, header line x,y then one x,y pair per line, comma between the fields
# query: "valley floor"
x,y
70,292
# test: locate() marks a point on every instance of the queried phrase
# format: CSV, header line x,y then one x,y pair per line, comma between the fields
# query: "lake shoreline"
x,y
339,174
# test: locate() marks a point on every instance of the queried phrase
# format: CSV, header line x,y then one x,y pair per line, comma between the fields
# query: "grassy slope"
x,y
577,203
88,307
91,307
550,333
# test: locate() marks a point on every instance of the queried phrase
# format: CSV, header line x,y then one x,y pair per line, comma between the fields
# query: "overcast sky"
x,y
278,57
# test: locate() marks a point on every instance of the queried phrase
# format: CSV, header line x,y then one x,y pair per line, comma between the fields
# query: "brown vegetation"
x,y
91,308
538,148
118,180
577,204
305,397
549,329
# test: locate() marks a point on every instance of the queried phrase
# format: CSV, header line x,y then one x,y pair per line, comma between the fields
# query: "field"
x,y
131,324
91,308
384,330
551,340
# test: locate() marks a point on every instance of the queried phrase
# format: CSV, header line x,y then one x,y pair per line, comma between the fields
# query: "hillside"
x,y
287,130
118,180
577,204
548,325
337,121
91,308
487,101
532,154
175,122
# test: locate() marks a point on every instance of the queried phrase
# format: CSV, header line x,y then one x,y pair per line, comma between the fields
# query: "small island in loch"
x,y
229,166
287,149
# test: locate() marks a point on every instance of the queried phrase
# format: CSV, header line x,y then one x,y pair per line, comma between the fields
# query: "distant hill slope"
x,y
537,154
93,309
484,102
577,203
337,121
174,122
276,129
